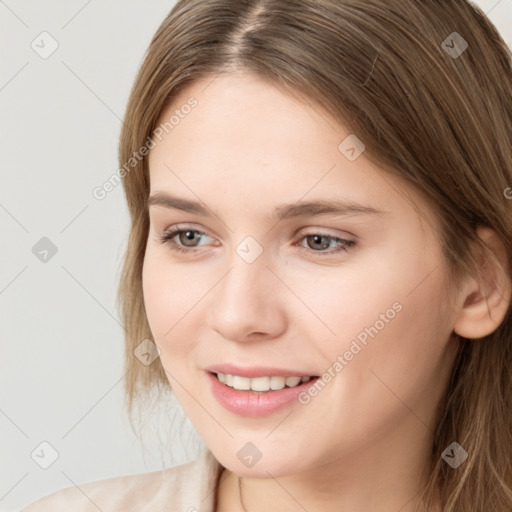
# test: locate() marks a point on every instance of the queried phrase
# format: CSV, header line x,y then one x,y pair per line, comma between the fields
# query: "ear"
x,y
483,302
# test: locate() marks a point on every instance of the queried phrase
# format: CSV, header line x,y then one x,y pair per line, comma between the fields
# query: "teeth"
x,y
292,381
277,382
260,383
242,383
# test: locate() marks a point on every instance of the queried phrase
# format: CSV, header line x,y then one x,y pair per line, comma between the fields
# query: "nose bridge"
x,y
245,300
246,284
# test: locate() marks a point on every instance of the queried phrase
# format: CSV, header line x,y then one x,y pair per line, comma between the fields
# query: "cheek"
x,y
391,312
391,342
388,357
338,304
163,308
172,296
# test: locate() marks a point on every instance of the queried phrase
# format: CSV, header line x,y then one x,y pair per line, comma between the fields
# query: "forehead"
x,y
247,141
243,118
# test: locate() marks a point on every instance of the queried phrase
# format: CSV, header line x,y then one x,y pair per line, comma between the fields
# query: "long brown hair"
x,y
427,85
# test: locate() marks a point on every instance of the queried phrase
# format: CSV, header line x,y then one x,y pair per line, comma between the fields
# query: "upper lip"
x,y
257,371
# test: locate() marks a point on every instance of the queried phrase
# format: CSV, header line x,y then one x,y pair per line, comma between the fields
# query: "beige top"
x,y
190,487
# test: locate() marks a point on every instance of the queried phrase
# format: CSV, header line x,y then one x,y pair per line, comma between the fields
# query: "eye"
x,y
187,240
185,236
323,241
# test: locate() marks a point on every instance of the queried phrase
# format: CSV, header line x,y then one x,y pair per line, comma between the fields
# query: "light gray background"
x,y
61,339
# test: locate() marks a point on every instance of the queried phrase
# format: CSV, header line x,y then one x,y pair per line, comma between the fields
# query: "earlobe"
x,y
484,301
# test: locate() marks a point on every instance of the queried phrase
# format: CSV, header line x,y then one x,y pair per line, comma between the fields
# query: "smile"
x,y
257,396
261,384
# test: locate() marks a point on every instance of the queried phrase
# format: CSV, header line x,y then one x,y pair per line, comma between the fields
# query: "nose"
x,y
248,304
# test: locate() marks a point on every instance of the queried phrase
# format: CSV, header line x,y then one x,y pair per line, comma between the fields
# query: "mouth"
x,y
258,396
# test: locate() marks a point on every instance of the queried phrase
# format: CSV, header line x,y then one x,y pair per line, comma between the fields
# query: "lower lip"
x,y
253,403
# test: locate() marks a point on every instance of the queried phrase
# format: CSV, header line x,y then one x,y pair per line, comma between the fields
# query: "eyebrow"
x,y
281,212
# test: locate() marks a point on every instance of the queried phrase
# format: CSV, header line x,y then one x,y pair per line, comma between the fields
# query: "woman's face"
x,y
352,289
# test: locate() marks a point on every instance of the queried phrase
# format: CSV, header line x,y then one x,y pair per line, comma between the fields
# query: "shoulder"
x,y
185,488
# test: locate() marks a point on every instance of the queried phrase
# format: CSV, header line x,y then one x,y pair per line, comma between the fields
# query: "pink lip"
x,y
253,403
257,371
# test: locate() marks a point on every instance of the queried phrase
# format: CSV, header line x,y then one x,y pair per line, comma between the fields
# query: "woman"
x,y
319,262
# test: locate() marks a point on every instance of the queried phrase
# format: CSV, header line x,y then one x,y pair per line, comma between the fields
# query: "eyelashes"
x,y
167,238
317,237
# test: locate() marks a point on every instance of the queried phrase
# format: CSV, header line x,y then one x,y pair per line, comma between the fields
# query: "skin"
x,y
361,443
